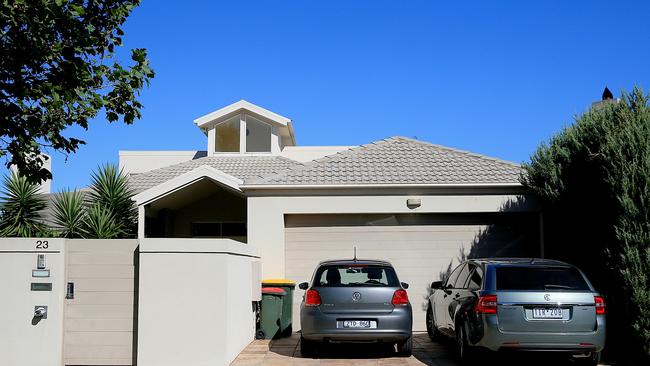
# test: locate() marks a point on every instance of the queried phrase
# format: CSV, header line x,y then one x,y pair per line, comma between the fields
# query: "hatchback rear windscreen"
x,y
540,279
356,276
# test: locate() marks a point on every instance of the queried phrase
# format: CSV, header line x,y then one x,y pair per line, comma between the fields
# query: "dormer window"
x,y
258,135
227,135
244,128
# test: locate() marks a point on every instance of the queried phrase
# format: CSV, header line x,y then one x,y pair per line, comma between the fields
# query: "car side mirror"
x,y
404,285
303,285
436,285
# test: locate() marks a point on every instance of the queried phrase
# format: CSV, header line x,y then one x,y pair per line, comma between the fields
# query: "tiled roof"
x,y
397,160
242,167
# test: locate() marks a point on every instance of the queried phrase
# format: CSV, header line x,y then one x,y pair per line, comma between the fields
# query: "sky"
x,y
495,78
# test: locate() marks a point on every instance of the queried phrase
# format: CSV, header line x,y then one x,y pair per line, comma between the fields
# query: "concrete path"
x,y
286,352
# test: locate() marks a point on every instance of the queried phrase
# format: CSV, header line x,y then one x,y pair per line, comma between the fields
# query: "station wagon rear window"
x,y
356,276
540,279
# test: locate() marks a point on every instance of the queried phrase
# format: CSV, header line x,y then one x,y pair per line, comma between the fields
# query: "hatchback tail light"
x,y
600,305
312,298
400,297
487,304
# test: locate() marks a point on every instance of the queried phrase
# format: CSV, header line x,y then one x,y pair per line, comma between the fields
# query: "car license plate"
x,y
358,324
547,313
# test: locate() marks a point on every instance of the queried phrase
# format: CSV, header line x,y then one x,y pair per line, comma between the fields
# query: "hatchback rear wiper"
x,y
558,286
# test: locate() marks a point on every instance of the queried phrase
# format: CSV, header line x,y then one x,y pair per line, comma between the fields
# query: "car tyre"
x,y
307,348
405,348
464,351
432,330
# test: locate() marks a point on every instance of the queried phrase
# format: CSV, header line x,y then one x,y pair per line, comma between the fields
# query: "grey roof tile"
x,y
397,160
242,167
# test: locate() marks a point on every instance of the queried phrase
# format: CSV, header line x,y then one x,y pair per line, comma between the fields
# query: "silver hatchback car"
x,y
519,304
355,301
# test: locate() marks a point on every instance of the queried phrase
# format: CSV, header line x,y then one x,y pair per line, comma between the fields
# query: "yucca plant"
x,y
68,210
100,223
21,208
109,188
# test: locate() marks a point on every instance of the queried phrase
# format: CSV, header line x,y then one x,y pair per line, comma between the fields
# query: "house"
x,y
419,205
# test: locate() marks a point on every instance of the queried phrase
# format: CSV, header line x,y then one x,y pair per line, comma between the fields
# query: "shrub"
x,y
593,179
22,205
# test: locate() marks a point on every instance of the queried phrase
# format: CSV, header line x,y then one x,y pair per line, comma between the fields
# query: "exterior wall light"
x,y
413,203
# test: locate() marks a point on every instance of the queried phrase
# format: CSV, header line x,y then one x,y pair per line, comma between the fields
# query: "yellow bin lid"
x,y
278,282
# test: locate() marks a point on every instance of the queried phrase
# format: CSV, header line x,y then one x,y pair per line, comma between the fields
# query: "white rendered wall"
x,y
195,301
23,341
266,216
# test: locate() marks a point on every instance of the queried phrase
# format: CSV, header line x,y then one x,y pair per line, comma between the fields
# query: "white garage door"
x,y
420,247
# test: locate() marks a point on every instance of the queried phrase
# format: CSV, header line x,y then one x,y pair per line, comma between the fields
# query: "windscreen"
x,y
540,279
356,276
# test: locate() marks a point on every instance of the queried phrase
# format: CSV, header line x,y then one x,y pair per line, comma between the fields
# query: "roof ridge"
x,y
457,150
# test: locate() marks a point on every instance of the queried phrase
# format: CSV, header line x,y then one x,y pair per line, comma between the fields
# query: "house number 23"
x,y
42,244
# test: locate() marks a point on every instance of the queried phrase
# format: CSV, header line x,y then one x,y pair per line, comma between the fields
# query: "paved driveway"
x,y
286,352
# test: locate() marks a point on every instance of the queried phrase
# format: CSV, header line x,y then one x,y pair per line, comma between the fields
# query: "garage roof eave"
x,y
380,186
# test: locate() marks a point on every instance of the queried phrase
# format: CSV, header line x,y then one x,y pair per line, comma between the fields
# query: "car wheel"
x,y
307,348
405,348
432,330
463,349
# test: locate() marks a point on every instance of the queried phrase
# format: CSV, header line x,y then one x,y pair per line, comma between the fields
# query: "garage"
x,y
421,247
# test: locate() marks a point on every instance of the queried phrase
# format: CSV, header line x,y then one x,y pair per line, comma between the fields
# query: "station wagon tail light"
x,y
400,297
600,305
312,298
487,304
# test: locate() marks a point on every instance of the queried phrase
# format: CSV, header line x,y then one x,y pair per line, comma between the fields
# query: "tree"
x,y
593,179
59,69
21,206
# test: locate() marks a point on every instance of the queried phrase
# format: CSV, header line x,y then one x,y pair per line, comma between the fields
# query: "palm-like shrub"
x,y
109,188
69,211
21,208
100,223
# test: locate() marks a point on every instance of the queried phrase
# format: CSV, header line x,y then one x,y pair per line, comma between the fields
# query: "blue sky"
x,y
496,78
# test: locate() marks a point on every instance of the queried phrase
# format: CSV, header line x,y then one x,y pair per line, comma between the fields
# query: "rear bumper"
x,y
391,327
579,342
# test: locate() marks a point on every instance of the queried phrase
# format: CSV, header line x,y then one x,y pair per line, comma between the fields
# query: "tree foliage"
x,y
59,69
594,181
21,206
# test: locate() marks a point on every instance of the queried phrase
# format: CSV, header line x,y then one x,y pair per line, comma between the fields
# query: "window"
x,y
218,229
476,278
540,278
356,276
453,276
227,135
462,277
258,135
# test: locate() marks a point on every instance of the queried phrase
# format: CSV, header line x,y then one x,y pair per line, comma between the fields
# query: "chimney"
x,y
606,98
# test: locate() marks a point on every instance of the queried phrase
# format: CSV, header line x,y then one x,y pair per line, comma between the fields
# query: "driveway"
x,y
286,352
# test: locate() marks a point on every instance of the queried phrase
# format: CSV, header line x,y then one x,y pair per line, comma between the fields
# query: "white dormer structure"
x,y
244,128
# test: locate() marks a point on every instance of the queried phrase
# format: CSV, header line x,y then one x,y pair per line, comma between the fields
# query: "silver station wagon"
x,y
519,304
355,301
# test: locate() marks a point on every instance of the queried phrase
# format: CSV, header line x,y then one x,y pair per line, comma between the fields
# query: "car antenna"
x,y
355,253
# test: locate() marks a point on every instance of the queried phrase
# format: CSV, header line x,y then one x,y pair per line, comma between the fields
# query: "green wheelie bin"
x,y
271,312
286,319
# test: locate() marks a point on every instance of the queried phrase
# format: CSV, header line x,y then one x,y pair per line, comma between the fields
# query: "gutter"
x,y
365,186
